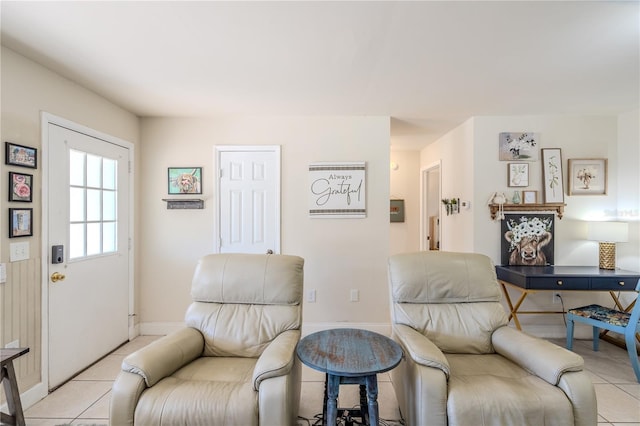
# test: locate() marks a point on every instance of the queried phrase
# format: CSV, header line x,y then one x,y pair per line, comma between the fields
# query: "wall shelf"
x,y
182,204
558,208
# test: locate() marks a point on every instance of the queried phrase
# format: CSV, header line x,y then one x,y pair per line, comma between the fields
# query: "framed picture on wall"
x,y
185,180
20,187
552,175
588,176
529,197
518,174
527,239
19,155
20,223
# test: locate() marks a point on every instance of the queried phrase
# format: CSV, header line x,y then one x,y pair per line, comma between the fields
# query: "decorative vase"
x,y
516,197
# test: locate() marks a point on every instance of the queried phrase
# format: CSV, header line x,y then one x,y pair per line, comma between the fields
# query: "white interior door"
x,y
248,199
88,215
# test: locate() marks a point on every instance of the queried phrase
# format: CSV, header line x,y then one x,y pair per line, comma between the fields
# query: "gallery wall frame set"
x,y
20,187
20,155
20,222
587,176
518,175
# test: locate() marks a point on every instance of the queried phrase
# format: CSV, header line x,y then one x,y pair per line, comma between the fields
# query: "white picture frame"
x,y
338,190
529,197
518,175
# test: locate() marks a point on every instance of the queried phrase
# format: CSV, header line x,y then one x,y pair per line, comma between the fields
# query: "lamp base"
x,y
607,255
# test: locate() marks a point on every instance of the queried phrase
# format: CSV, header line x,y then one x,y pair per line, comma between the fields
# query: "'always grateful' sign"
x,y
337,190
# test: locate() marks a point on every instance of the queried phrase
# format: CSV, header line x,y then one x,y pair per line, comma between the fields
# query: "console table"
x,y
350,356
531,279
8,379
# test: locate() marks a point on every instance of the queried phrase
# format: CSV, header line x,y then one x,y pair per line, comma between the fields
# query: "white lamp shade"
x,y
610,232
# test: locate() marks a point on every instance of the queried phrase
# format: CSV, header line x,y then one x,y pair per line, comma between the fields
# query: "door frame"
x,y
424,203
218,150
46,119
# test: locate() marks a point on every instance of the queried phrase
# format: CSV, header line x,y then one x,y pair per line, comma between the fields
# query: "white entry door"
x,y
248,199
88,281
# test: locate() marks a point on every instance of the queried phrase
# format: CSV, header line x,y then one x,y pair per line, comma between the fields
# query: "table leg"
x,y
512,308
8,378
372,396
333,384
364,412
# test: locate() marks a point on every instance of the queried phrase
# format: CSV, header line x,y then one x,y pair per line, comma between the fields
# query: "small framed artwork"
x,y
20,223
588,176
20,187
519,146
185,180
18,155
518,174
529,197
552,175
396,211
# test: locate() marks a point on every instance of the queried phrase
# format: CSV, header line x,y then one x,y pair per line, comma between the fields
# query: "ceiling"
x,y
429,65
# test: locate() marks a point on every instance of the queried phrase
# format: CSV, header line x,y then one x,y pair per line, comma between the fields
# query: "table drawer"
x,y
559,283
613,283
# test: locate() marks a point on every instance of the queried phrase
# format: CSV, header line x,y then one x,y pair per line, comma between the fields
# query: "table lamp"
x,y
608,234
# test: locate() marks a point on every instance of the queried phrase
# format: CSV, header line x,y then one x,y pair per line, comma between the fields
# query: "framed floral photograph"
x,y
20,223
185,180
587,176
19,155
552,176
529,197
20,187
518,174
522,146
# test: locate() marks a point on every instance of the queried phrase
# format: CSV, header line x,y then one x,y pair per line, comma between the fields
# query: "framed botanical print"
x,y
518,174
552,176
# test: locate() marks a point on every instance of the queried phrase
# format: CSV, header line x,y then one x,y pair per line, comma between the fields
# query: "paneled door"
x,y
248,199
88,249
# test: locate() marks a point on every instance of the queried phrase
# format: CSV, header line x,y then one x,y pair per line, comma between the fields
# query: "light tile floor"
x,y
85,399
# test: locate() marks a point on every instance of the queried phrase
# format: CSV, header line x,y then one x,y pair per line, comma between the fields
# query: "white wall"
x,y
340,254
456,152
405,185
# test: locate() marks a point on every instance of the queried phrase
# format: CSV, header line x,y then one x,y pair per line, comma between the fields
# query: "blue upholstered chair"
x,y
625,323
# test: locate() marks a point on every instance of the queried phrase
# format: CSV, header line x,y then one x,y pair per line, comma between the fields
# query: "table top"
x,y
556,270
349,352
9,354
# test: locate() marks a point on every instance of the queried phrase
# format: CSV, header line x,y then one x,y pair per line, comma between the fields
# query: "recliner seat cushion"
x,y
491,390
208,391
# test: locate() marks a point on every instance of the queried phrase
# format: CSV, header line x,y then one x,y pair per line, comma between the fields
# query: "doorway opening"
x,y
431,184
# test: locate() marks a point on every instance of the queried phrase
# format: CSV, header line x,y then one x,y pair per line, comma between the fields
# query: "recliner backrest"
x,y
241,302
452,298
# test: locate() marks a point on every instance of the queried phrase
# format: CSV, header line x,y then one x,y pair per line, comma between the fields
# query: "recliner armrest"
x,y
421,350
542,358
166,355
277,358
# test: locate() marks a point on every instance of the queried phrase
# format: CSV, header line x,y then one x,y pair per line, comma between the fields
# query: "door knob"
x,y
57,276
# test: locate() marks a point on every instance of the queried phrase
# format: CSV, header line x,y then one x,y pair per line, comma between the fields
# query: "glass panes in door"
x,y
93,220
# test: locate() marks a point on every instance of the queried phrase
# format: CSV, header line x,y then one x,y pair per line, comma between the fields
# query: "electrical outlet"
x,y
557,298
311,296
14,344
355,295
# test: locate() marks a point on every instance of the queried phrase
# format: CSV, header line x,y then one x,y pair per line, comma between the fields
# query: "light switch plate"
x,y
3,273
18,251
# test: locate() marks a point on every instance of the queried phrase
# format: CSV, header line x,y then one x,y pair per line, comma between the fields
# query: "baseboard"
x,y
29,397
162,328
312,327
159,328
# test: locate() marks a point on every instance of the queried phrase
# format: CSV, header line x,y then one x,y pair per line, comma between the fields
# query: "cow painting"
x,y
527,240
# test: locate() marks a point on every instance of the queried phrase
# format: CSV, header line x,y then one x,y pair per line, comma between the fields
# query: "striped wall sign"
x,y
337,190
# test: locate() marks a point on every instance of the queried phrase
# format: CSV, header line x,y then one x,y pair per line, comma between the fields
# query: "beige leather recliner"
x,y
463,365
234,363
